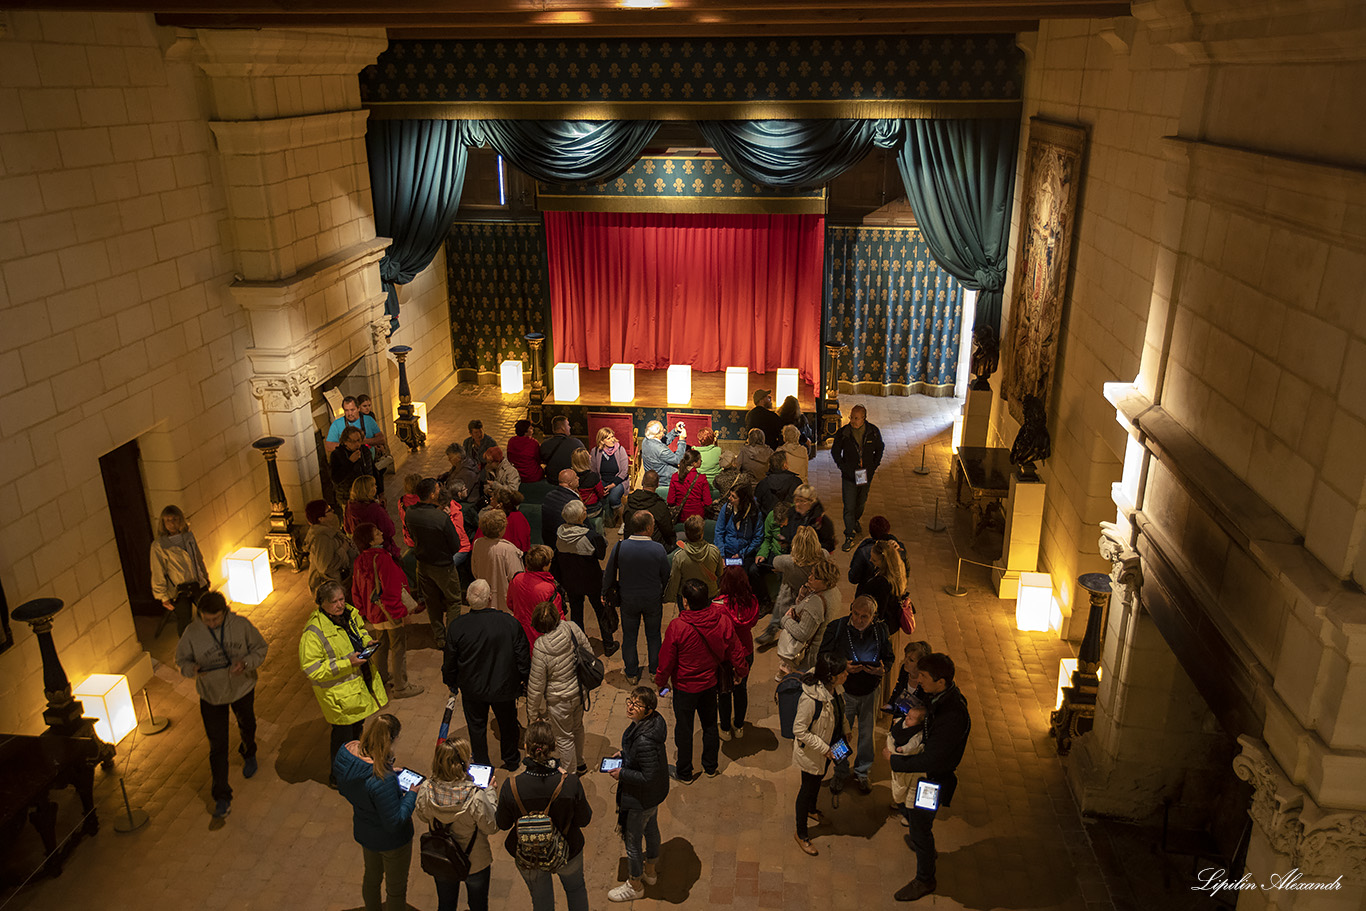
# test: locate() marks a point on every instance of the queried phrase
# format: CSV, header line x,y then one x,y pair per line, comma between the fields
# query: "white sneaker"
x,y
625,893
723,733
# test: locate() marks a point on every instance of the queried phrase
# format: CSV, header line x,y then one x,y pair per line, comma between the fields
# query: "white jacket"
x,y
811,733
553,678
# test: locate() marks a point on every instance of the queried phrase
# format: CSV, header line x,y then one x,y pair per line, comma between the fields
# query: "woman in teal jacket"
x,y
346,687
740,526
382,811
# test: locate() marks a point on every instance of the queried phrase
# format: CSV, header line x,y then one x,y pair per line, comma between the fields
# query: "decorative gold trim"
x,y
907,109
740,205
933,390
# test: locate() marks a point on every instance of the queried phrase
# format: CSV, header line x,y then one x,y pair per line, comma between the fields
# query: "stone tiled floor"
x,y
1013,838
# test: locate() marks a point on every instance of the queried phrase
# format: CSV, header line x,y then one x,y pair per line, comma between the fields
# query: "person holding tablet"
x,y
381,811
642,778
946,728
817,729
453,799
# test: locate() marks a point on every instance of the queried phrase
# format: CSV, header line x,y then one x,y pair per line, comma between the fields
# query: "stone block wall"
x,y
119,326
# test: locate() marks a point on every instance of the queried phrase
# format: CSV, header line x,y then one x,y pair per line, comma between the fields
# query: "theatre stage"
x,y
707,406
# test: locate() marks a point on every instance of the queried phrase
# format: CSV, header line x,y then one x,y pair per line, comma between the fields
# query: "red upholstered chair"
x,y
620,424
695,423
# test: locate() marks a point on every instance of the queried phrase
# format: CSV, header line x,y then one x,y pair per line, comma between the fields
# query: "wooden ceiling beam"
x,y
907,10
774,30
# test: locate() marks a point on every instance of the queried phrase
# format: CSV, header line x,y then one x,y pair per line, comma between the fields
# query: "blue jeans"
x,y
571,880
641,824
615,494
862,709
476,885
631,616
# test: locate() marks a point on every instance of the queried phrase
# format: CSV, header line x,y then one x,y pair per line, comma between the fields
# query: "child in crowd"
x,y
905,737
905,680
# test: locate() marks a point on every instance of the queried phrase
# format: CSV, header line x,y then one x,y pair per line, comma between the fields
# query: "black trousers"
x,y
738,698
703,706
607,626
342,734
477,718
216,727
807,793
855,498
921,825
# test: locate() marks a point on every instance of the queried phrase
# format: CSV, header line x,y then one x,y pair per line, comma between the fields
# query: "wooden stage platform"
x,y
708,391
594,407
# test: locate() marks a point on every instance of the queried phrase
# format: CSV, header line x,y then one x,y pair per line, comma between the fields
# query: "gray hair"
x,y
479,595
574,512
653,428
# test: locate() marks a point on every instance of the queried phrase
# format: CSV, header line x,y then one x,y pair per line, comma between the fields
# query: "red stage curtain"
x,y
713,291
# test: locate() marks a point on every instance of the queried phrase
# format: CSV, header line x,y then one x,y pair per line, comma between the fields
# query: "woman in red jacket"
x,y
688,487
379,590
737,601
525,453
532,586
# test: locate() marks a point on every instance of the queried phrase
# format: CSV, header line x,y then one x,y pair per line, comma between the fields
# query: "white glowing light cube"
x,y
737,387
1065,668
566,378
107,699
510,377
248,572
956,442
786,385
1034,603
679,390
420,413
622,382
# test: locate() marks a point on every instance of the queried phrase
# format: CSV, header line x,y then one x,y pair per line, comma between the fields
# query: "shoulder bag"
x,y
442,856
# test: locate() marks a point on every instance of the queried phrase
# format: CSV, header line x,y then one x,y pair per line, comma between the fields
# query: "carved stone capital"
x,y
1322,843
379,332
285,392
1126,567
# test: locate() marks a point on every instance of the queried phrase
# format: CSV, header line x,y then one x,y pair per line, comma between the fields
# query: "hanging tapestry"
x,y
497,279
1048,210
896,310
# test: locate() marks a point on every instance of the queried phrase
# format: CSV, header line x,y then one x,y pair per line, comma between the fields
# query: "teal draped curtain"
x,y
797,153
960,179
417,169
896,309
566,151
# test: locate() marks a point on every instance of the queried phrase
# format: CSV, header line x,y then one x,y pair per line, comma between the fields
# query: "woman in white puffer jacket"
x,y
552,691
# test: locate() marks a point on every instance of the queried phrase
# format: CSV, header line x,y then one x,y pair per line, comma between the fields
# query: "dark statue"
x,y
986,354
1032,442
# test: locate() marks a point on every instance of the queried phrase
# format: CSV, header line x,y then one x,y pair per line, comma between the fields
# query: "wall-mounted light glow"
x,y
566,379
510,377
785,386
248,572
737,387
679,385
108,700
621,381
1032,606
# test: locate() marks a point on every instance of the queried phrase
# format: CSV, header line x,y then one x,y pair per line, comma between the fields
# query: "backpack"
x,y
540,844
442,856
788,694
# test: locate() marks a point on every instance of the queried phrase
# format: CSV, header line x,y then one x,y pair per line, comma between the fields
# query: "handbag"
x,y
442,856
377,597
611,595
907,615
725,671
588,668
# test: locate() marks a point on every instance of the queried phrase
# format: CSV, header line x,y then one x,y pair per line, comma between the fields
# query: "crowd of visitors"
x,y
723,537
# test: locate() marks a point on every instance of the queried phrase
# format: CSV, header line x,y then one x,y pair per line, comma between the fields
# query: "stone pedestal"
x,y
1020,547
977,417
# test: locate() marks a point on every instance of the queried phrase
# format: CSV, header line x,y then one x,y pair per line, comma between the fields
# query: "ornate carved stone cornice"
x,y
1322,843
285,392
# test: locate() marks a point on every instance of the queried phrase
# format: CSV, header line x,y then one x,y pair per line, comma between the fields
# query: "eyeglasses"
x,y
633,703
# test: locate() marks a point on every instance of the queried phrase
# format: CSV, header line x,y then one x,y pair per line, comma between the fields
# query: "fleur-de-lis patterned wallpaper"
x,y
895,76
679,183
899,313
498,283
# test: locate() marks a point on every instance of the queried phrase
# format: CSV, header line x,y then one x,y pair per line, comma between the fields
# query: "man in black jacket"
x,y
778,485
556,499
438,549
864,643
487,661
350,460
857,450
765,418
647,498
946,729
557,450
